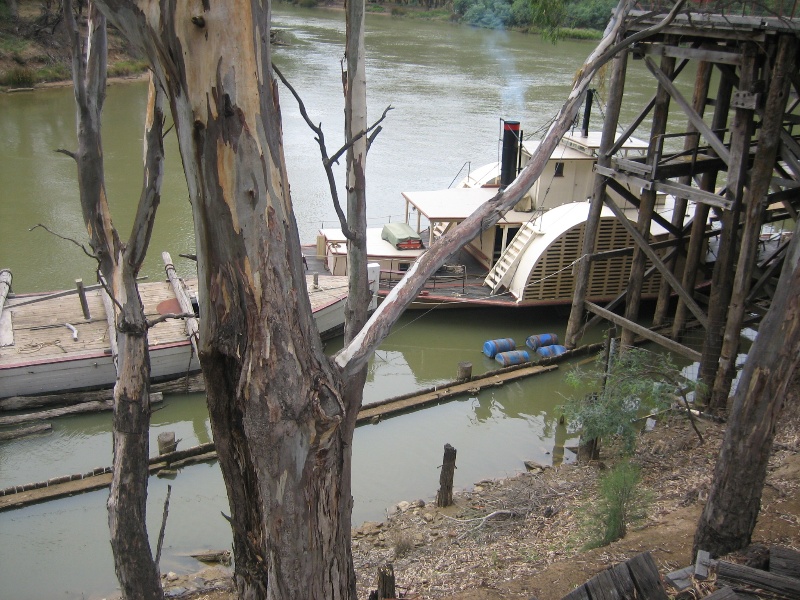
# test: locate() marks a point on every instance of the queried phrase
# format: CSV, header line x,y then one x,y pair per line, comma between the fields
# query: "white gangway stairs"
x,y
503,270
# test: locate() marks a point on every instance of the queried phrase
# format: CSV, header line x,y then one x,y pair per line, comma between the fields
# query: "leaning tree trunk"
x,y
729,516
119,265
274,399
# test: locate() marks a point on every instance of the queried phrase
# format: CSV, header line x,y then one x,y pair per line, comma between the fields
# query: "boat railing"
x,y
445,276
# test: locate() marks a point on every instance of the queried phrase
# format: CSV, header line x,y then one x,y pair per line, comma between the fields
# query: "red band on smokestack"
x,y
510,125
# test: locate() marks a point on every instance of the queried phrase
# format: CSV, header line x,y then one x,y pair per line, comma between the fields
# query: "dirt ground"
x,y
521,537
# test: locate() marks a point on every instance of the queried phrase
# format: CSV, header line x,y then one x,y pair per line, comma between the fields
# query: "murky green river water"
x,y
449,87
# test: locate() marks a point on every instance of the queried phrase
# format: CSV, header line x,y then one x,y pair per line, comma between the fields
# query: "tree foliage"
x,y
637,382
548,15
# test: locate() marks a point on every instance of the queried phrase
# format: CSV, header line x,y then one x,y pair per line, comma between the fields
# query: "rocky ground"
x,y
521,537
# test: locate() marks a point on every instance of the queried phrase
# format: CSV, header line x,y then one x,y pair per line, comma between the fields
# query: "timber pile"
x,y
728,581
635,578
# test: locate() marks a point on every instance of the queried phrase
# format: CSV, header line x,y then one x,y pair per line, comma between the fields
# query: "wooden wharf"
x,y
60,487
737,159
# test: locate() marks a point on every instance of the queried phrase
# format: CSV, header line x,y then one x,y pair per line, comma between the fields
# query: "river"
x,y
449,86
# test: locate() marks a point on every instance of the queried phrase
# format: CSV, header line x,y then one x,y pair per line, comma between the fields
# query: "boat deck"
x,y
45,340
33,327
459,282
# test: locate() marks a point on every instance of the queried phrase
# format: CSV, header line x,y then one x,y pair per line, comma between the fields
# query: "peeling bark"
x,y
119,265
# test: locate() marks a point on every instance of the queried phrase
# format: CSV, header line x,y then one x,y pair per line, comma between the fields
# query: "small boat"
x,y
50,344
528,258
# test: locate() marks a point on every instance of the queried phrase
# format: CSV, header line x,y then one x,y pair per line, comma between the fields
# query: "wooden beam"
x,y
694,194
623,137
659,339
694,53
694,118
654,258
628,196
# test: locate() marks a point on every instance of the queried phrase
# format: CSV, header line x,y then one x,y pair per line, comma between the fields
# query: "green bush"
x,y
127,67
638,382
589,14
621,502
54,72
20,77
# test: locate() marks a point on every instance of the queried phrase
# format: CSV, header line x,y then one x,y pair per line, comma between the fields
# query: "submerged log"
x,y
86,407
25,431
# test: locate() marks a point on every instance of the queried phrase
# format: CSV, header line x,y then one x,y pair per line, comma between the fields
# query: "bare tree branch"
x,y
168,316
72,155
67,239
328,162
358,351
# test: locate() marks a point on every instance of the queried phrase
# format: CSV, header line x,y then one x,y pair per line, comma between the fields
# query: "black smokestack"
x,y
508,163
587,112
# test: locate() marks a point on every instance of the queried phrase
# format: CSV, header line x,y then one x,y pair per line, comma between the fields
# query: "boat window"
x,y
403,266
559,170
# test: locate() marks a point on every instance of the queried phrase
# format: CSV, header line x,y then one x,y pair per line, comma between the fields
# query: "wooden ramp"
x,y
637,578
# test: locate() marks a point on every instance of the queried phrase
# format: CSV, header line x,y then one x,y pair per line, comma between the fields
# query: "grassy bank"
x,y
34,48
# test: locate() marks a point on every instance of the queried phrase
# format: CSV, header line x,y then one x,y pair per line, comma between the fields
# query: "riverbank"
x,y
521,537
34,49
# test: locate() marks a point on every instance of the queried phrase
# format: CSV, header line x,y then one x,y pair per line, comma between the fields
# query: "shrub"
x,y
621,502
127,67
637,382
398,12
20,77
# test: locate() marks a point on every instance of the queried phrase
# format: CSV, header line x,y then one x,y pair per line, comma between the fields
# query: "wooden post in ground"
x,y
588,450
697,239
759,180
620,64
464,371
166,442
386,582
722,279
82,296
444,496
648,201
690,144
5,286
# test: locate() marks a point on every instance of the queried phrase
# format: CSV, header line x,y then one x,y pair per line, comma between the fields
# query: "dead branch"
x,y
67,239
329,161
168,316
163,525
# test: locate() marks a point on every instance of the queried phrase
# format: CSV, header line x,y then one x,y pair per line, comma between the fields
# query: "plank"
x,y
736,575
646,578
85,407
701,564
724,593
681,579
784,561
623,581
602,587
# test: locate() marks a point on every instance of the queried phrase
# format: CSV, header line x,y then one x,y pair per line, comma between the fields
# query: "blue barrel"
x,y
513,357
535,342
492,347
550,351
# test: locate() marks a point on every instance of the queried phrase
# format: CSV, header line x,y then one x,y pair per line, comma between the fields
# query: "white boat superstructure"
x,y
528,257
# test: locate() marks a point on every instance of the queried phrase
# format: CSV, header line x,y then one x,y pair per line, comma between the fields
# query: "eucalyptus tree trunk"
x,y
275,402
730,514
118,265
